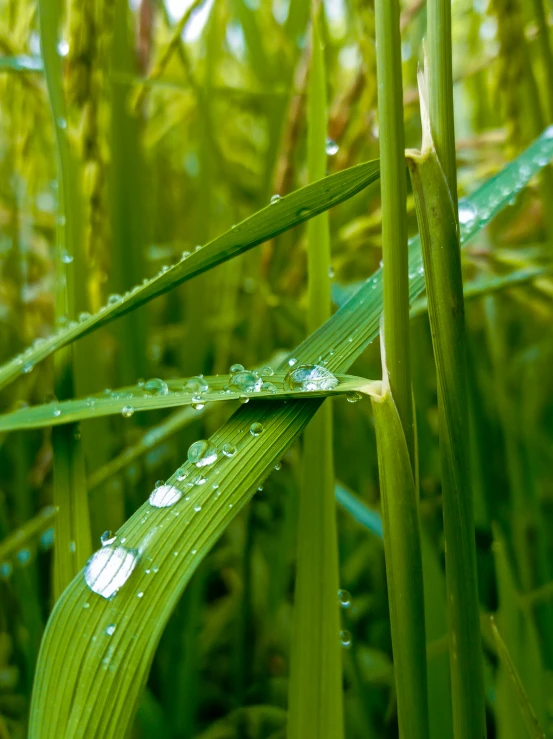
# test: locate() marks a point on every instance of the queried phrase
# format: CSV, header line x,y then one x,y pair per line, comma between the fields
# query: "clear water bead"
x,y
353,397
107,538
229,450
164,496
196,385
236,368
127,411
110,630
109,569
275,199
345,639
331,147
245,381
202,453
256,429
155,386
344,598
310,377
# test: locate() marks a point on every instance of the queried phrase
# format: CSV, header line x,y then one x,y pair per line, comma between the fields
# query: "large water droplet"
x,y
110,629
234,368
155,386
196,385
275,199
202,453
331,147
245,382
310,377
164,496
127,411
256,429
109,569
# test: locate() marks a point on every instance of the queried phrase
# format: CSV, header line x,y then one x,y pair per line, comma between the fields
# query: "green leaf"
x,y
128,400
402,547
75,689
288,212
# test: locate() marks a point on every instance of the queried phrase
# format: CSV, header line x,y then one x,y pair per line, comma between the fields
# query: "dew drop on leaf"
x,y
310,377
164,496
109,569
202,453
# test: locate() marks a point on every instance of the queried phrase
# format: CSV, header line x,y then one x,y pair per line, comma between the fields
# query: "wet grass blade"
x,y
75,685
127,401
286,213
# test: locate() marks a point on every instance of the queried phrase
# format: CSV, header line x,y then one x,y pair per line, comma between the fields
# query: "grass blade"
x,y
127,401
404,575
442,261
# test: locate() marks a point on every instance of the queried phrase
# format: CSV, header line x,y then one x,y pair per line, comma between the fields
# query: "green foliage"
x,y
129,135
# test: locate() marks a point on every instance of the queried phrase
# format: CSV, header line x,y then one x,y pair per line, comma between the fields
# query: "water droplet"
x,y
275,199
84,316
236,368
110,630
198,480
107,538
278,466
109,569
185,255
331,147
292,361
56,412
155,386
5,570
229,450
66,258
353,397
127,411
467,213
196,385
197,508
331,272
164,496
23,556
256,429
267,371
202,453
344,598
114,299
345,639
310,377
62,123
245,381
198,406
27,367
140,594
269,387
303,212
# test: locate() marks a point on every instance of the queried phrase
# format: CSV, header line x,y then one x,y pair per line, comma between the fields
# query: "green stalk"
x,y
72,526
439,234
394,220
315,685
440,89
393,414
402,548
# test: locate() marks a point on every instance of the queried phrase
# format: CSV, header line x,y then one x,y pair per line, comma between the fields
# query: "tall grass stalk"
x,y
397,462
315,685
437,219
72,524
